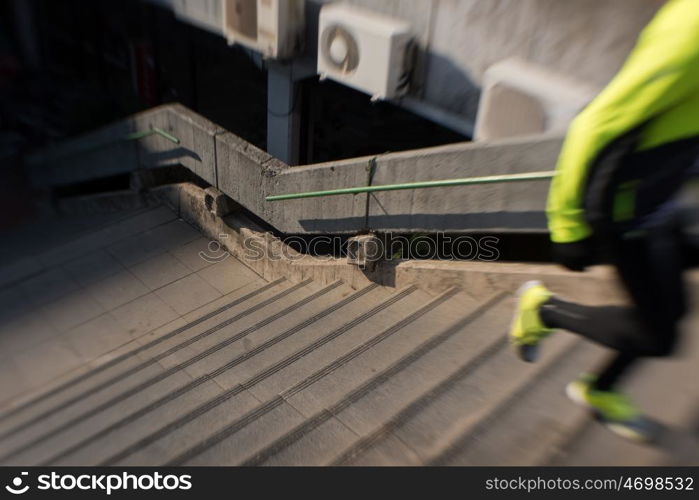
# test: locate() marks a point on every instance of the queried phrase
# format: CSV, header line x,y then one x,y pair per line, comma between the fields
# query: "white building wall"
x,y
583,39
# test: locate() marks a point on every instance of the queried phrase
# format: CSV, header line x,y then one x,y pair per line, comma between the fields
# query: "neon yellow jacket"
x,y
658,85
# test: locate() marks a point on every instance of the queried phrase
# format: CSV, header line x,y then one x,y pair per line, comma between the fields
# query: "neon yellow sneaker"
x,y
527,329
613,409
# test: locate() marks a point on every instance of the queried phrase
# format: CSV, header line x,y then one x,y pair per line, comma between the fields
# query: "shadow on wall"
x,y
340,122
449,87
534,221
158,157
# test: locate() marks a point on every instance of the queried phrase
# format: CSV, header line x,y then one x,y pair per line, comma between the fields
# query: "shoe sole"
x,y
619,429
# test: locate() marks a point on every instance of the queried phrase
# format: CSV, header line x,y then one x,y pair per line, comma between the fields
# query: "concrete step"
x,y
466,344
103,373
667,391
454,407
167,408
139,389
501,382
338,328
537,420
165,341
387,376
344,368
359,372
78,301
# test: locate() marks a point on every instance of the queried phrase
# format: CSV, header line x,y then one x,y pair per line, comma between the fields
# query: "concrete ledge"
x,y
242,238
248,175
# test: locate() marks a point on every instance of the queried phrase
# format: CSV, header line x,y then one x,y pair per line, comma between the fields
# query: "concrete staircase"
x,y
280,372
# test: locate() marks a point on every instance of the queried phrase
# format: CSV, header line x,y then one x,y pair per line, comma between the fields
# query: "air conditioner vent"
x,y
272,27
370,52
340,49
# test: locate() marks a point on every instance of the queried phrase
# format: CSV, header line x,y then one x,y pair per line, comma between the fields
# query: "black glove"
x,y
575,256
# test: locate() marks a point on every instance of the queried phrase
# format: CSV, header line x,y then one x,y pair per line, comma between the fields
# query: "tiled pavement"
x,y
102,290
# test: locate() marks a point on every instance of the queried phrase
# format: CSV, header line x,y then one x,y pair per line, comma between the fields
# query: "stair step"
x,y
667,390
366,406
525,429
470,344
139,390
459,403
399,346
190,431
114,365
266,341
298,372
166,409
224,446
290,302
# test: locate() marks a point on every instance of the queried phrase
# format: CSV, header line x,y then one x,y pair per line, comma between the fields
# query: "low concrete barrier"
x,y
248,174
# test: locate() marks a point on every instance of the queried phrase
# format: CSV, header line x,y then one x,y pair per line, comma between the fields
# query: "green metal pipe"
x,y
155,130
133,136
492,179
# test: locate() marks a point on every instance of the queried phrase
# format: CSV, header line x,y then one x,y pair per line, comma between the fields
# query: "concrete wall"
x,y
582,39
248,175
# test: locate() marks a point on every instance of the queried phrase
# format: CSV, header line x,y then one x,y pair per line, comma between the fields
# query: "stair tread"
x,y
371,406
331,325
314,373
252,354
538,422
129,394
367,374
667,391
466,400
133,355
295,373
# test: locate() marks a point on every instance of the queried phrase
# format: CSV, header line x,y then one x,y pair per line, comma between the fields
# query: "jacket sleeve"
x,y
661,72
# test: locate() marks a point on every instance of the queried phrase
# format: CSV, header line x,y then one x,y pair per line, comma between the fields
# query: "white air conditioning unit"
x,y
205,14
521,98
370,52
272,27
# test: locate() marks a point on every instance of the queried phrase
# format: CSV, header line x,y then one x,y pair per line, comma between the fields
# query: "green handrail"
x,y
492,179
87,147
155,130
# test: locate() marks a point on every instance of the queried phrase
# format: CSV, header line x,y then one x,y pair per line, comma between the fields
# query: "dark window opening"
x,y
102,61
340,122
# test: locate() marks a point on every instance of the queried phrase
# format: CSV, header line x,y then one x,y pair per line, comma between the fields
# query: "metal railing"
x,y
133,136
155,130
492,179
